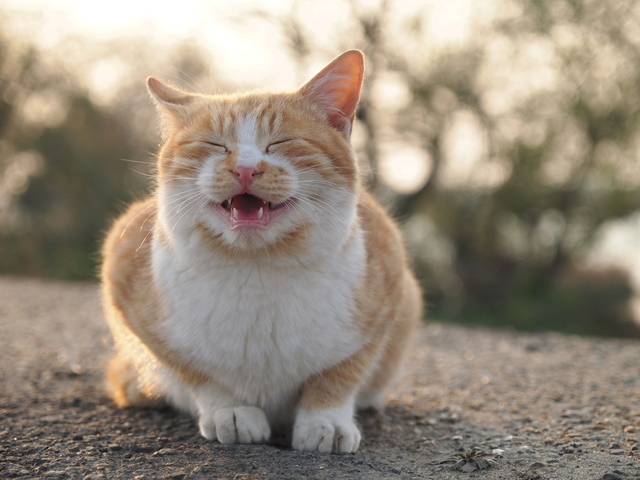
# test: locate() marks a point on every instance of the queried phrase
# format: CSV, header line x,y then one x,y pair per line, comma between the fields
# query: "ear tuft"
x,y
168,95
171,103
336,89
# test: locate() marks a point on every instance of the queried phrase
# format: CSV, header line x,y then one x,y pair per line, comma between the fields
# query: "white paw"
x,y
326,431
236,425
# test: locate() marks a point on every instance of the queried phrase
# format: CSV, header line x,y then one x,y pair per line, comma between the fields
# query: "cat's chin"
x,y
248,212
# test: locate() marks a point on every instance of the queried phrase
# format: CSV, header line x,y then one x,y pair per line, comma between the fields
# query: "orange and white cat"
x,y
260,285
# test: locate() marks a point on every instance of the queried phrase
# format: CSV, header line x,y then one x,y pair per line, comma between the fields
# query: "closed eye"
x,y
215,145
202,143
275,144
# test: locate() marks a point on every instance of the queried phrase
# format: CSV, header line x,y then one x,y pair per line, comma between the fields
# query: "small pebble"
x,y
165,451
52,419
611,476
468,468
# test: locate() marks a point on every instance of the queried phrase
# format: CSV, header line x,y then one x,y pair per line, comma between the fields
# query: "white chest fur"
x,y
261,329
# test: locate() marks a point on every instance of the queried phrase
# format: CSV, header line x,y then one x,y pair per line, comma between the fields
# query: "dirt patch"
x,y
474,404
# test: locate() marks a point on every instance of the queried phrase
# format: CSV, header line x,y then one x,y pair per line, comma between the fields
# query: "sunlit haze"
x,y
246,48
249,47
247,51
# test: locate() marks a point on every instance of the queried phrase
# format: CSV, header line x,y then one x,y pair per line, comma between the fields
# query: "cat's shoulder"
x,y
376,220
127,247
136,222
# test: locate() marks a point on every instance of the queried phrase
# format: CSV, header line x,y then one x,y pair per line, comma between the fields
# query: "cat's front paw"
x,y
326,431
236,425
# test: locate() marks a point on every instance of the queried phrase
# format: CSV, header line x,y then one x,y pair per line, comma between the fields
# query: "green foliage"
x,y
62,180
566,149
579,302
70,202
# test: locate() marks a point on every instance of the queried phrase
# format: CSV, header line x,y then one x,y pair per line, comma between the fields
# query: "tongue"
x,y
247,207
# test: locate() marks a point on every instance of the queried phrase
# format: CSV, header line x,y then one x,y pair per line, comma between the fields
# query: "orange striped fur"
x,y
260,285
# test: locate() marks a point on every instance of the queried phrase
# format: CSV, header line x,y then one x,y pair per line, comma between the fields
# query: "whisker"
x,y
143,240
324,238
340,218
192,82
291,204
189,202
137,215
130,160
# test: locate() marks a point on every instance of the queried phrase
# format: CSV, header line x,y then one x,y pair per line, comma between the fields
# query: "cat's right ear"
x,y
171,102
336,90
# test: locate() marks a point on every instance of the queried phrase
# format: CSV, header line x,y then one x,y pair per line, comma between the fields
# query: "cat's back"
x,y
388,280
383,233
383,240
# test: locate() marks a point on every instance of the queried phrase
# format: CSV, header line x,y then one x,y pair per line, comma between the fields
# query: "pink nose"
x,y
246,175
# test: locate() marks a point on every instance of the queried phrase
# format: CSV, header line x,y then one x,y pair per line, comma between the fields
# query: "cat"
x,y
260,286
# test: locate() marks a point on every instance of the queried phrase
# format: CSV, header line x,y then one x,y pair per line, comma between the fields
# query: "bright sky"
x,y
210,24
245,48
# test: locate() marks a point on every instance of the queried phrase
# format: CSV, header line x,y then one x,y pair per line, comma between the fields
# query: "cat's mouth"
x,y
248,211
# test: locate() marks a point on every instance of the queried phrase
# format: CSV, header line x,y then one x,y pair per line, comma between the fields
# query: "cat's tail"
x,y
126,389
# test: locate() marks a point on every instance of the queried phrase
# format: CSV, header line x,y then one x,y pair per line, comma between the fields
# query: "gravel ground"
x,y
475,404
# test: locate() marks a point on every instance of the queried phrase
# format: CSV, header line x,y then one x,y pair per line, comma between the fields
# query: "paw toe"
x,y
314,437
322,435
252,425
207,428
236,425
347,441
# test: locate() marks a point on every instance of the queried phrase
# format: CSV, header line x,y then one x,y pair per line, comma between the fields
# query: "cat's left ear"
x,y
171,101
336,89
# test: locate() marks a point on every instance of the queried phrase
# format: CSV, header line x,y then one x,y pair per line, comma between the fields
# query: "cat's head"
x,y
261,171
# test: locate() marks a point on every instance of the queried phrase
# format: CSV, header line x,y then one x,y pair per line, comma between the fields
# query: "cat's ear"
x,y
336,89
171,101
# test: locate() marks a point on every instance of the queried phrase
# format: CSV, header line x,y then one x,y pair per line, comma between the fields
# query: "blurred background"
x,y
503,134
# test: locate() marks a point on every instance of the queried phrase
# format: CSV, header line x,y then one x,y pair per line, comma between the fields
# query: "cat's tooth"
x,y
260,213
235,213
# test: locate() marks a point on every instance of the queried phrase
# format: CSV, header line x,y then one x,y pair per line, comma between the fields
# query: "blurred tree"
x,y
70,159
531,131
526,126
82,181
554,89
62,173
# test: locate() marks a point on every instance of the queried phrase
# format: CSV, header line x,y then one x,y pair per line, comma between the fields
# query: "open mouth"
x,y
247,210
